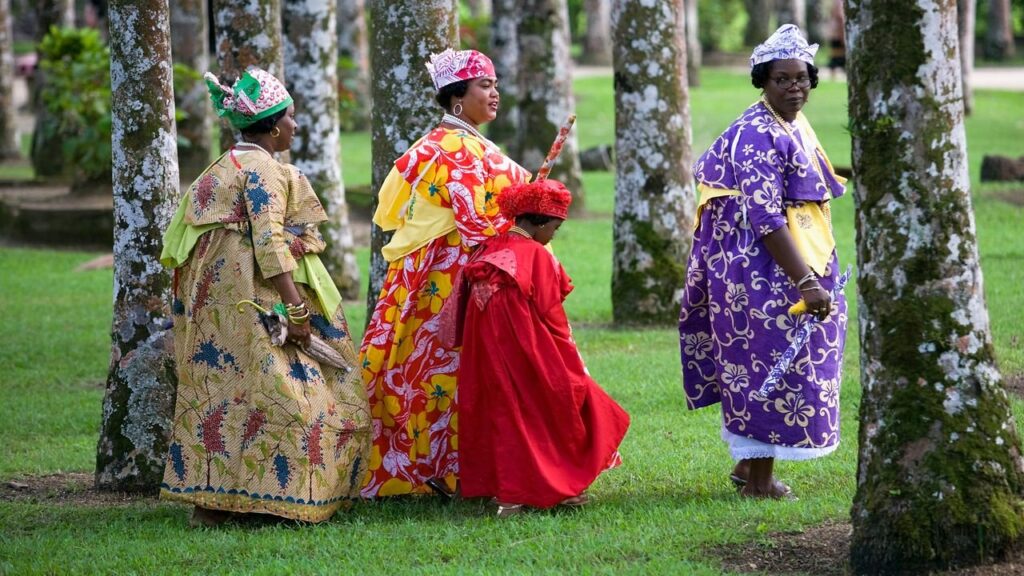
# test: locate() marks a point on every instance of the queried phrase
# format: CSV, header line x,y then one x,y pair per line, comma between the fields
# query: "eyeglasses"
x,y
786,83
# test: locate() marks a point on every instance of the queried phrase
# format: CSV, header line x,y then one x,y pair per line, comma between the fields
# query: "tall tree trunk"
x,y
479,8
47,152
189,29
9,140
965,24
248,33
793,12
403,95
354,53
939,477
759,21
818,17
654,190
693,48
999,38
545,88
311,56
139,401
505,54
597,42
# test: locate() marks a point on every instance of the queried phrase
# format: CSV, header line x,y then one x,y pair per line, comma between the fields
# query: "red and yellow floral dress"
x,y
440,200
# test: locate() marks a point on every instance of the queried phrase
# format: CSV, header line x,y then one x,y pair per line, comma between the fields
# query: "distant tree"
x,y
999,36
403,95
479,8
654,189
545,84
759,21
693,49
818,17
353,65
597,41
139,399
191,59
504,52
248,33
792,12
311,57
965,24
9,140
47,156
940,478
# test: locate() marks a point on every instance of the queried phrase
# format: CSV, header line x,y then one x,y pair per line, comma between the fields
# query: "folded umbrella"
x,y
276,323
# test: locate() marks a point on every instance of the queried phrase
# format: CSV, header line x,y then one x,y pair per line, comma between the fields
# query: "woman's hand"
x,y
818,300
298,334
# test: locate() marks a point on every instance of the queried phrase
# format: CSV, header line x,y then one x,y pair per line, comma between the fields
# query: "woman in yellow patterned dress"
x,y
440,200
258,427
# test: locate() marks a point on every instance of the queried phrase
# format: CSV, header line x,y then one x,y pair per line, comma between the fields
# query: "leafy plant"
x,y
76,64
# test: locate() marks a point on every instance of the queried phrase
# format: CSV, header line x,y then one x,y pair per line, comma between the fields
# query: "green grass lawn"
x,y
657,513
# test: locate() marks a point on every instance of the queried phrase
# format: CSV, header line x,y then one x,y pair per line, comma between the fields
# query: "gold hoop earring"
x,y
275,132
457,109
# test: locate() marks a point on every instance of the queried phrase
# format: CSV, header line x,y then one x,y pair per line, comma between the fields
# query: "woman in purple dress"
x,y
763,242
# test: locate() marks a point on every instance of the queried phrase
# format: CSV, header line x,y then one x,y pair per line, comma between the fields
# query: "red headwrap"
x,y
544,197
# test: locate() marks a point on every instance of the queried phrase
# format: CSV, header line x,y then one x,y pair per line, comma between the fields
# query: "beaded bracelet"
x,y
810,276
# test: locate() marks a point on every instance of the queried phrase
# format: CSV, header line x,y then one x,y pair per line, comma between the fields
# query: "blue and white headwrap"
x,y
787,43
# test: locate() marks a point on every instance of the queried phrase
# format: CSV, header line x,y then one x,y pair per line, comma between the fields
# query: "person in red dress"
x,y
536,430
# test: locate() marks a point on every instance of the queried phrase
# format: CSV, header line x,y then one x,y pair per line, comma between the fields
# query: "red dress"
x,y
535,428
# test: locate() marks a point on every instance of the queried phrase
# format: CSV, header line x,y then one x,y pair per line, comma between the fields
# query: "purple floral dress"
x,y
734,324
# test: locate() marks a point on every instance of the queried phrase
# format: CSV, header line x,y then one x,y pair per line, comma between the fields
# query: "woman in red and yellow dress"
x,y
440,199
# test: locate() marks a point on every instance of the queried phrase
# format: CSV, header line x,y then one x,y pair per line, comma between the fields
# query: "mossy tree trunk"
x,y
545,91
139,401
504,52
792,12
654,190
693,49
403,95
311,56
759,21
189,29
965,28
597,40
9,145
939,476
354,52
47,151
999,36
248,33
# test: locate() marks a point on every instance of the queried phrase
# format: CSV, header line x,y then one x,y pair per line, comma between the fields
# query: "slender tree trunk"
x,y
354,53
939,477
139,400
545,85
47,153
9,139
311,55
654,190
965,23
403,95
793,12
818,17
693,48
505,54
999,38
189,29
597,42
759,21
248,34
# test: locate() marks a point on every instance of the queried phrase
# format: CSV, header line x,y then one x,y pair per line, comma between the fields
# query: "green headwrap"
x,y
254,96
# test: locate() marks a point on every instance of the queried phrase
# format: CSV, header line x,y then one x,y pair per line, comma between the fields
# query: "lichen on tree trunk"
x,y
248,34
354,50
189,28
504,53
939,477
403,95
9,145
654,190
545,92
311,57
139,399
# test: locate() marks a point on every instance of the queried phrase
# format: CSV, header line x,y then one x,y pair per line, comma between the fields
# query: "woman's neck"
x,y
266,143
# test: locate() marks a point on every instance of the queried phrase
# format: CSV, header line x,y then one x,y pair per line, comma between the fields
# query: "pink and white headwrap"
x,y
452,66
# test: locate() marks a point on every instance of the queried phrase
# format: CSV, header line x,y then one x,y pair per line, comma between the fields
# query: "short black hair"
x,y
760,72
536,219
453,90
264,125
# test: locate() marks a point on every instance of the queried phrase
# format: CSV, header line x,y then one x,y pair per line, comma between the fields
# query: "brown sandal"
x,y
576,501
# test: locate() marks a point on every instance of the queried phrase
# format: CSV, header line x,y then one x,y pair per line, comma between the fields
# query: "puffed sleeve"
x,y
265,191
759,169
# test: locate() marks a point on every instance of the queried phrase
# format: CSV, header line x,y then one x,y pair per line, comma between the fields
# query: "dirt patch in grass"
x,y
822,550
76,488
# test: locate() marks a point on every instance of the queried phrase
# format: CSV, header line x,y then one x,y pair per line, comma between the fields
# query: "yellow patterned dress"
x,y
440,200
257,427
